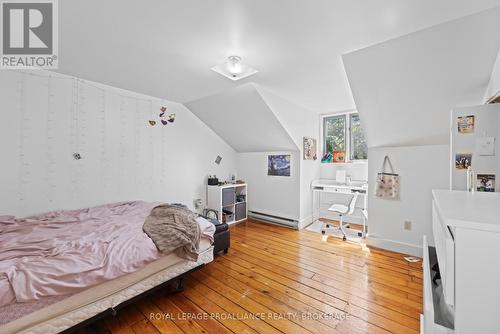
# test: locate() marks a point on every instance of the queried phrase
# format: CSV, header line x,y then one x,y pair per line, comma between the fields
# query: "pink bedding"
x,y
64,252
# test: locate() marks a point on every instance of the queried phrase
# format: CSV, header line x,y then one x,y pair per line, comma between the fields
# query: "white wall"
x,y
494,85
439,68
487,124
124,158
357,171
273,195
300,123
421,168
243,119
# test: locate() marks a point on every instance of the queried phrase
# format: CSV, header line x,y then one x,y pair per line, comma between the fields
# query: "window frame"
x,y
347,136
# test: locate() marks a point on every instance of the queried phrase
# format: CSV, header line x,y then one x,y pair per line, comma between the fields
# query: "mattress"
x,y
90,302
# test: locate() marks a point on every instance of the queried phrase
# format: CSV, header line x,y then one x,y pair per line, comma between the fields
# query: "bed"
x,y
62,268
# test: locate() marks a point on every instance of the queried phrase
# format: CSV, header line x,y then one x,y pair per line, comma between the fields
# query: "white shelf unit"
x,y
230,202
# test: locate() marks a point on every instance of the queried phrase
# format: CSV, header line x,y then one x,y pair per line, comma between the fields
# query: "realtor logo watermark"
x,y
29,34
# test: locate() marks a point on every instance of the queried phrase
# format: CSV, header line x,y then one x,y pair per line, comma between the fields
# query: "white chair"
x,y
342,210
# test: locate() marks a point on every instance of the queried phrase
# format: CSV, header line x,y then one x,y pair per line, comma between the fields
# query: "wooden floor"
x,y
277,280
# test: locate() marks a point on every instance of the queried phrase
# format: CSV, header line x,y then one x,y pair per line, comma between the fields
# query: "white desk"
x,y
332,186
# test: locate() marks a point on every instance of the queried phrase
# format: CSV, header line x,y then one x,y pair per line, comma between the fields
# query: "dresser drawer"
x,y
445,247
428,320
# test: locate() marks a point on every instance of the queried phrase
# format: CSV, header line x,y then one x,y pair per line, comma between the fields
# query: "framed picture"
x,y
465,124
338,156
463,160
278,165
486,182
309,148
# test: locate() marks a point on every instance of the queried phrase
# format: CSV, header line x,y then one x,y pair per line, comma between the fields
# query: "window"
x,y
334,133
343,133
357,145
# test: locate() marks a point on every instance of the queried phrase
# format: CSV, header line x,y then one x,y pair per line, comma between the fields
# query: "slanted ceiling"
x,y
404,89
244,120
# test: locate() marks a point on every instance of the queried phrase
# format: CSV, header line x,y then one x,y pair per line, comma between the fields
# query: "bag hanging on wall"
x,y
387,182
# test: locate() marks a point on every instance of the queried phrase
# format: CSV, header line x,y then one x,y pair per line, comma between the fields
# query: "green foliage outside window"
x,y
341,130
334,128
359,150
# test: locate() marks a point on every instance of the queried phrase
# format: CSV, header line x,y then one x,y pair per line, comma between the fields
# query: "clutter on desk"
x,y
341,176
213,180
387,184
338,156
327,158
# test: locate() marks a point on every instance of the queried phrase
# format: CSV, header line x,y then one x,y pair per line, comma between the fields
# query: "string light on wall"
x,y
64,126
50,140
23,171
104,158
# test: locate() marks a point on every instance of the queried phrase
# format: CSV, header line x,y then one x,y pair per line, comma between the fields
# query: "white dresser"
x,y
466,229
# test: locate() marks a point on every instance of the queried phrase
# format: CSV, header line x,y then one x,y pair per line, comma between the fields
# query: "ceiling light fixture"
x,y
234,69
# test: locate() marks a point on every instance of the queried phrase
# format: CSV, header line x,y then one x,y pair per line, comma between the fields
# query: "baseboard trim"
x,y
395,246
304,222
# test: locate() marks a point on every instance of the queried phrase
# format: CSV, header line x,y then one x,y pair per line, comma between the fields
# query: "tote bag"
x,y
387,182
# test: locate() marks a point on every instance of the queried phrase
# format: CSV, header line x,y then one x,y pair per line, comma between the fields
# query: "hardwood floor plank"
x,y
332,290
178,317
144,327
155,316
130,315
335,262
237,270
202,317
319,267
241,266
271,276
233,308
346,249
206,304
351,253
275,301
241,297
116,326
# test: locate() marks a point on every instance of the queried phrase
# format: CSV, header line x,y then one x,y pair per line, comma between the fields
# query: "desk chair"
x,y
342,210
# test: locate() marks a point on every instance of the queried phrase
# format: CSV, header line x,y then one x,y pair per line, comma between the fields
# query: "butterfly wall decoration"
x,y
164,118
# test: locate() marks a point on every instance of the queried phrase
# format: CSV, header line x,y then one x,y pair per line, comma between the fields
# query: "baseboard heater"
x,y
274,219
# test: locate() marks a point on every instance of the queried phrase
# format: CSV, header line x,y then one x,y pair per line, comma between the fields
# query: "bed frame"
x,y
177,283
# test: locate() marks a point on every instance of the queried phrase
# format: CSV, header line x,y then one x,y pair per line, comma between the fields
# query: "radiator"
x,y
274,219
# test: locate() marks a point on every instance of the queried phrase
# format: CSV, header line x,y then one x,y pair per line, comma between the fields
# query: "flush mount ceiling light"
x,y
234,69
